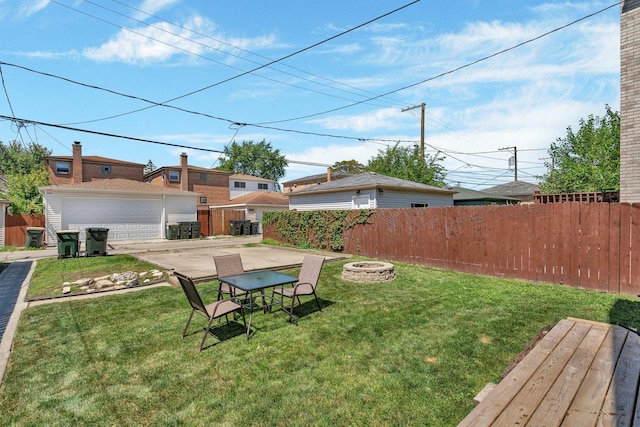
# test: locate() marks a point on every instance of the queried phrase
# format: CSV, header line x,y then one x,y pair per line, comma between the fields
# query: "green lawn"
x,y
51,273
411,352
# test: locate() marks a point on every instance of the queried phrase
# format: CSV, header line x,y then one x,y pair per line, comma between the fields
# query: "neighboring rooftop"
x,y
519,189
467,195
367,180
117,184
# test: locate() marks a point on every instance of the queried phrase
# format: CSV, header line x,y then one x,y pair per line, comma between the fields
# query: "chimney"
x,y
76,167
184,172
329,170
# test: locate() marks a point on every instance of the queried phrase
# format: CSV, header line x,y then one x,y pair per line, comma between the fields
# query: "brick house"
x,y
76,168
212,185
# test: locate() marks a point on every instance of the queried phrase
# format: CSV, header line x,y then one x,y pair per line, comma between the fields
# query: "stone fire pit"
x,y
368,272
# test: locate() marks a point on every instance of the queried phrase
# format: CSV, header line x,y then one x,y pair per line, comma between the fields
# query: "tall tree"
x,y
586,160
348,166
18,158
257,159
24,170
407,163
149,167
22,191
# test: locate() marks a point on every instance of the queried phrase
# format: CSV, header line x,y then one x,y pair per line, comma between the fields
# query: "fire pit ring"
x,y
368,272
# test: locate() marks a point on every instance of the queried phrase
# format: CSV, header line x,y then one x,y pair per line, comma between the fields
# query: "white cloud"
x,y
151,7
162,41
386,118
28,8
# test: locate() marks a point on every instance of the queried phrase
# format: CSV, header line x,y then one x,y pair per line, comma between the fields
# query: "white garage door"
x,y
126,219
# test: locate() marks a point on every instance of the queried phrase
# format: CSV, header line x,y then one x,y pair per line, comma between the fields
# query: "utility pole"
x,y
421,126
515,160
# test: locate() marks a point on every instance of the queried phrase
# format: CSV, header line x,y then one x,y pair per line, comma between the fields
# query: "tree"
x,y
256,159
407,163
588,160
348,166
22,191
18,158
149,167
24,170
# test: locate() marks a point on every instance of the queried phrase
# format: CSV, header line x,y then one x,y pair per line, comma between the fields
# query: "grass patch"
x,y
50,273
410,352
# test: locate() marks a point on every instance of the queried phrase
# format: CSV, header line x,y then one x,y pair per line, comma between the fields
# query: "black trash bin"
x,y
96,241
185,230
236,227
195,230
68,243
254,227
246,227
172,232
34,237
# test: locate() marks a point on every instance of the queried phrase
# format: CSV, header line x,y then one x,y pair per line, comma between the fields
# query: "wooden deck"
x,y
580,374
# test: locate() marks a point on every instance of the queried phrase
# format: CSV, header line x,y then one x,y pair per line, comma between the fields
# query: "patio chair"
x,y
307,283
228,265
211,311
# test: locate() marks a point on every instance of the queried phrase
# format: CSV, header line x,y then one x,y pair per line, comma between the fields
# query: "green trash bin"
x,y
195,230
236,227
34,237
173,232
254,227
185,230
68,243
246,227
96,241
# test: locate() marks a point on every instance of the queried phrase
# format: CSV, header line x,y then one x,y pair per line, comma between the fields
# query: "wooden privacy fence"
x,y
15,228
588,245
222,218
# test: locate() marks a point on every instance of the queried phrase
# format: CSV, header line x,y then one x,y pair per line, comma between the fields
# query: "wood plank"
x,y
492,406
603,247
614,247
526,402
586,405
556,402
618,406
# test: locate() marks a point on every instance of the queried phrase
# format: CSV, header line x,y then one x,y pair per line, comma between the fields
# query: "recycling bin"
x,y
172,232
185,230
68,243
96,241
195,230
246,227
236,227
254,227
34,237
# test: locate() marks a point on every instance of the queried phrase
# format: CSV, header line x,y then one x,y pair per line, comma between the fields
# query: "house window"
x,y
106,169
63,168
203,176
419,205
203,200
263,186
238,184
174,176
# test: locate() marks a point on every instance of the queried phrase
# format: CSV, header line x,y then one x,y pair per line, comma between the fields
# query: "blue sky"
x,y
321,105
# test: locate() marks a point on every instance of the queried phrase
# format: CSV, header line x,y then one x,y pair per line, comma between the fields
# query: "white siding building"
x,y
369,191
131,210
241,185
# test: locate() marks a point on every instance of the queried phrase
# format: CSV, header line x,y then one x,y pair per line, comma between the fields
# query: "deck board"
x,y
581,373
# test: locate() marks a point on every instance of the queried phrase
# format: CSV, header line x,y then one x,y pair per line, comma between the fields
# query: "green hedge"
x,y
313,229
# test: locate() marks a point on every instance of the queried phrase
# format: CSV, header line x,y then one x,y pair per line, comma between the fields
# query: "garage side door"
x,y
126,219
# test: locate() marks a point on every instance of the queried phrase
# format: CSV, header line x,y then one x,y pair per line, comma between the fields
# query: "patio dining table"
x,y
257,281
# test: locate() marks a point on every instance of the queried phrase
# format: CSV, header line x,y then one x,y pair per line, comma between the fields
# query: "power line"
x,y
257,68
467,65
392,103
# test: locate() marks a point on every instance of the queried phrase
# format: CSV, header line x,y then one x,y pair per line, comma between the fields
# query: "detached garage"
x,y
131,210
